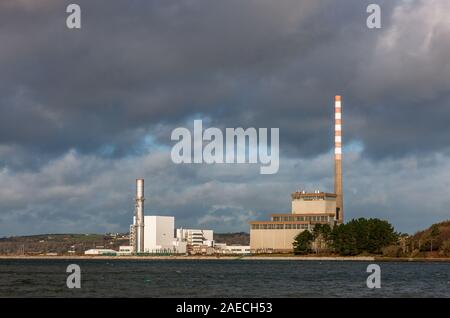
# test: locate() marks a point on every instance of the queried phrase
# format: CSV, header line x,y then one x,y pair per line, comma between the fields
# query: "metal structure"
x,y
137,237
133,237
338,159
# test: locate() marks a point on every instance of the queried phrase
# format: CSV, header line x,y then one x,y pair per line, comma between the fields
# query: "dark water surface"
x,y
221,278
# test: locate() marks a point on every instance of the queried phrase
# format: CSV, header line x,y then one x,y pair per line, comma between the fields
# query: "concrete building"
x,y
196,241
150,234
313,203
180,247
196,237
158,233
125,250
234,249
201,250
308,209
98,251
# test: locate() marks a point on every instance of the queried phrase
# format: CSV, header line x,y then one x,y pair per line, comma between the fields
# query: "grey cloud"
x,y
82,113
84,193
135,65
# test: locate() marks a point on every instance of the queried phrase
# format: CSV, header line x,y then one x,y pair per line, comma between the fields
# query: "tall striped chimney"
x,y
338,159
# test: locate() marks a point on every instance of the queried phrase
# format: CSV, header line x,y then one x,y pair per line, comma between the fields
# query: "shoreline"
x,y
229,257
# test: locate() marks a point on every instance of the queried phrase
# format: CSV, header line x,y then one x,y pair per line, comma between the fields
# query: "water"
x,y
221,278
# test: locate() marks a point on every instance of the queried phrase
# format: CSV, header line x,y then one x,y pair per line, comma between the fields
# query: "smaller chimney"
x,y
140,215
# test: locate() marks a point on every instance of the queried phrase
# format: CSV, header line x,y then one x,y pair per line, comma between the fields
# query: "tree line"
x,y
352,238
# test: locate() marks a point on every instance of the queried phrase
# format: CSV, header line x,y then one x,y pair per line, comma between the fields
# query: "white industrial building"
x,y
236,249
222,248
158,233
125,250
100,251
153,233
196,237
180,247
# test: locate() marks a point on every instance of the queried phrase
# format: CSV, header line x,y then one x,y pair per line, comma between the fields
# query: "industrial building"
x,y
307,209
196,241
158,233
100,251
196,236
153,233
234,249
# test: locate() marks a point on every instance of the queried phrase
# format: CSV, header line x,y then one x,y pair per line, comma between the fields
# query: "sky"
x,y
85,112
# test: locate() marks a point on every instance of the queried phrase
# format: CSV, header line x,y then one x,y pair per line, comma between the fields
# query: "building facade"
x,y
308,209
158,233
195,237
278,234
235,249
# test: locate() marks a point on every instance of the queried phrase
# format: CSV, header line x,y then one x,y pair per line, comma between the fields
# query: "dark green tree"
x,y
362,235
343,240
302,242
326,232
322,233
317,231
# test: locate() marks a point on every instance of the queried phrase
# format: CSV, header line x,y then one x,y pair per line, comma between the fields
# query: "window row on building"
x,y
268,226
307,218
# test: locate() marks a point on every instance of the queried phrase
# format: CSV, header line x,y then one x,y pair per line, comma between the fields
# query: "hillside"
x,y
59,243
435,240
240,238
77,243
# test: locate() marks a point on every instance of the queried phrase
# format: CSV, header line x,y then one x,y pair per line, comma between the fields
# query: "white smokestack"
x,y
140,215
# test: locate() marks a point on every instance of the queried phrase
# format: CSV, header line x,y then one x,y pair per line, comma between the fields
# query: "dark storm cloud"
x,y
141,63
85,112
131,66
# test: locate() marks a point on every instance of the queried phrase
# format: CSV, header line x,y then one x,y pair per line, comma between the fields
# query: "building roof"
x,y
312,195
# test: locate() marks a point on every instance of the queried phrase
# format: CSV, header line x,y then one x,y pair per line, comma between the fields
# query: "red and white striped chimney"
x,y
338,159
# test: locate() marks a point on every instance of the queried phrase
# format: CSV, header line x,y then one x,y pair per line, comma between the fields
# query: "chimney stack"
x,y
338,160
140,215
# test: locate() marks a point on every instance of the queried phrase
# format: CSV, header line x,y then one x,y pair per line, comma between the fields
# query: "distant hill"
x,y
78,243
240,238
435,239
59,243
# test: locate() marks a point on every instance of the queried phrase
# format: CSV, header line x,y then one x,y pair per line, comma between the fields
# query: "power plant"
x,y
308,209
155,233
